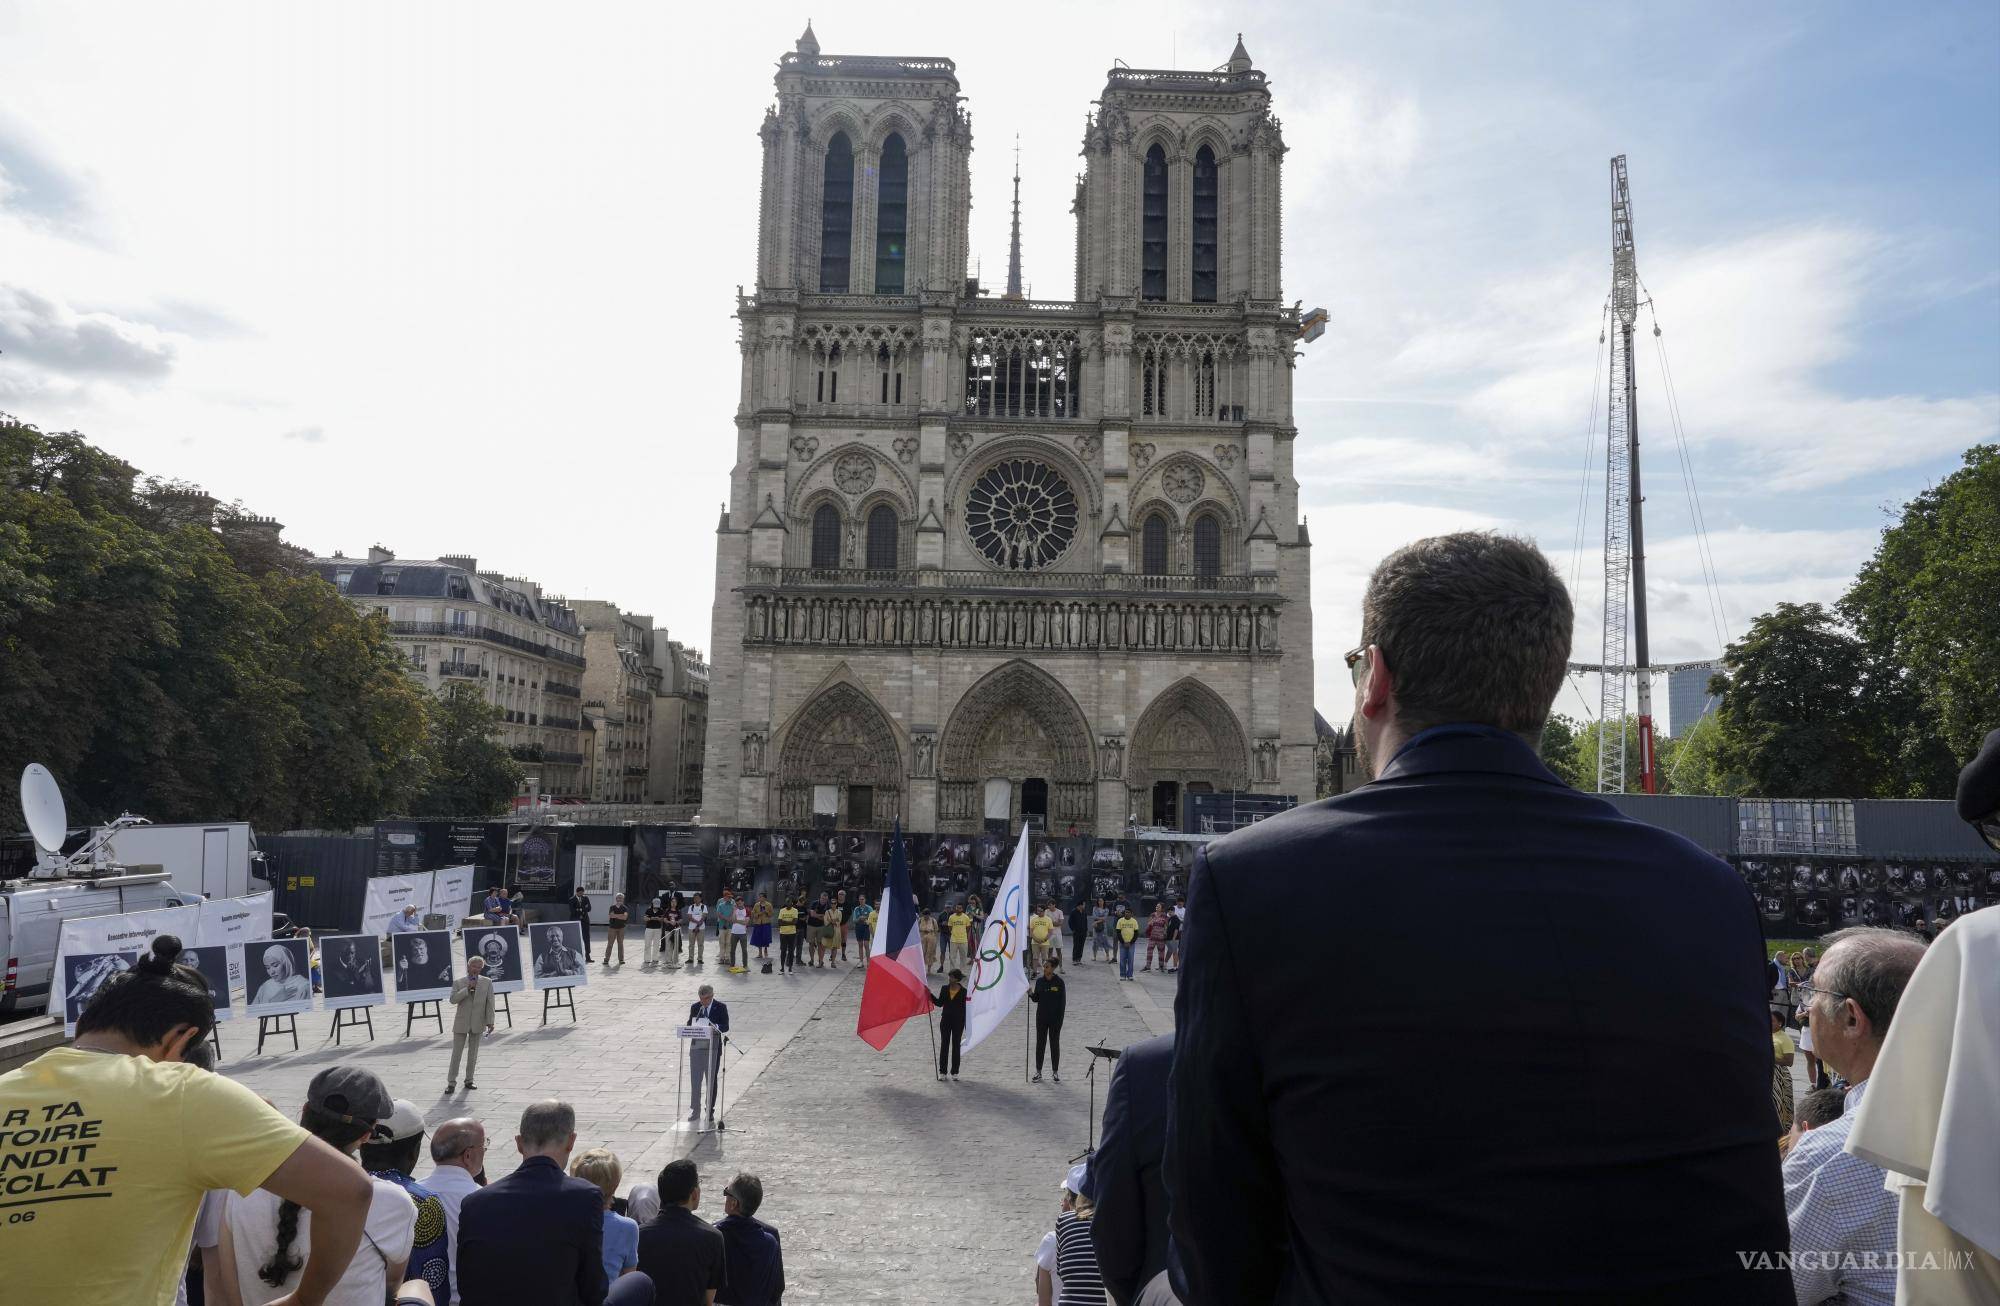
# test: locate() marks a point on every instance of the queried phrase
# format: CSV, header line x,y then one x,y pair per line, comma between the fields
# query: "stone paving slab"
x,y
887,1185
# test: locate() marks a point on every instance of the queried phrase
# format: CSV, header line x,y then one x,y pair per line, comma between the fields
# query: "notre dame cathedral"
x,y
992,558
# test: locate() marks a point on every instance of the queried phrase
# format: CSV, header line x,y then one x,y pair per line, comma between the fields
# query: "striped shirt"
x,y
1076,1263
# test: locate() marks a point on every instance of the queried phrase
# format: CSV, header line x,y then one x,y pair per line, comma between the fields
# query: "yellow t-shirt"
x,y
79,1128
788,920
1038,928
1128,929
959,923
1781,1044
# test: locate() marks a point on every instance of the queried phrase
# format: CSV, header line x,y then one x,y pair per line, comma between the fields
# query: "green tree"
x,y
1559,753
1792,717
155,674
1586,747
471,774
1926,609
1692,766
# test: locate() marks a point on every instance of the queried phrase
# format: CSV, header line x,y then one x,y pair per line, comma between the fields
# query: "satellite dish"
x,y
42,804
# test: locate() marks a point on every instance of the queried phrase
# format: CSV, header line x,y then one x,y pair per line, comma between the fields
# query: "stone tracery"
x,y
839,738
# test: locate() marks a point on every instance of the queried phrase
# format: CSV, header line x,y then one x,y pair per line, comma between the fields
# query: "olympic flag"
x,y
1000,967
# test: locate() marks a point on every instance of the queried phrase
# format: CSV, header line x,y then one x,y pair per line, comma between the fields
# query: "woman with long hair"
x,y
1076,1252
265,1240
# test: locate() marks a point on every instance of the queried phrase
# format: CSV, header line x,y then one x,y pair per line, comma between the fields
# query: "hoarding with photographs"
x,y
279,975
423,965
351,970
213,961
229,923
1802,897
499,946
558,954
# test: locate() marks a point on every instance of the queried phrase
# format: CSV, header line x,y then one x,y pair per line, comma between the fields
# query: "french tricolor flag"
x,y
895,988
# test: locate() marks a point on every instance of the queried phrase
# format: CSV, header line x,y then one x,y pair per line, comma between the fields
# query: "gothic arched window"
x,y
1207,545
1204,226
1153,227
836,216
1153,546
826,536
882,538
891,216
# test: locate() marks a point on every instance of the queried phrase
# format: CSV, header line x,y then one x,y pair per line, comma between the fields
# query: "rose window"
x,y
1021,514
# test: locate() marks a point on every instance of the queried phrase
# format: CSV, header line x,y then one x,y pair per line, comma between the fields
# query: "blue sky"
x,y
458,278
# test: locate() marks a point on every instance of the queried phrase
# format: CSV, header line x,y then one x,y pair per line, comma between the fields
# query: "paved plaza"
x,y
886,1185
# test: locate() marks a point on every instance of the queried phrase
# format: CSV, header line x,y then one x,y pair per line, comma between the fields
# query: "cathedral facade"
x,y
986,557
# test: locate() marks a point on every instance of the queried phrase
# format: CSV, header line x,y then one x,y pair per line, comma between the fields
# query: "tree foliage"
x,y
473,775
1559,752
1887,695
161,665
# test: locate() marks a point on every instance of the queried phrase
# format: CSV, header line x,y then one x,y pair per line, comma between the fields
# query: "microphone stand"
x,y
1100,1052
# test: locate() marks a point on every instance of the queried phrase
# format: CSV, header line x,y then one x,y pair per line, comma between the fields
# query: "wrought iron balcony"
x,y
561,722
987,581
566,691
635,770
466,670
553,758
452,630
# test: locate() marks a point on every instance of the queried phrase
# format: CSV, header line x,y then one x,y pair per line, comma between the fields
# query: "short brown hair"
x,y
1475,627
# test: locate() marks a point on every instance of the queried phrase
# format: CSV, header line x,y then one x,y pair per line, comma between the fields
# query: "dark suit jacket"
x,y
756,1262
719,1014
1471,916
1130,1227
534,1235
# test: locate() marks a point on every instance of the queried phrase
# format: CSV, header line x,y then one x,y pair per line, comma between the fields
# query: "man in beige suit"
x,y
473,996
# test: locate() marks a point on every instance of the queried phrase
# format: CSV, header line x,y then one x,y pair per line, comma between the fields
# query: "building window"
x,y
1153,227
342,579
1152,384
1207,546
1153,546
891,216
1204,226
882,538
836,216
1204,386
860,806
826,536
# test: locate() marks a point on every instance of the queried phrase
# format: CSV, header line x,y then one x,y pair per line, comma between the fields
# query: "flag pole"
x,y
930,1023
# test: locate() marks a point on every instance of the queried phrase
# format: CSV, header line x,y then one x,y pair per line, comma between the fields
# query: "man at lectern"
x,y
705,1059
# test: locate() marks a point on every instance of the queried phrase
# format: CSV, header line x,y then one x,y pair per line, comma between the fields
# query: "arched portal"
x,y
840,759
1017,725
1188,741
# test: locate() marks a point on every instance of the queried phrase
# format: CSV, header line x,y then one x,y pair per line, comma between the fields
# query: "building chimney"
x,y
378,554
464,562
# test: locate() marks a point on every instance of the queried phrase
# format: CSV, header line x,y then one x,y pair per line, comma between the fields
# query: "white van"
x,y
218,858
31,917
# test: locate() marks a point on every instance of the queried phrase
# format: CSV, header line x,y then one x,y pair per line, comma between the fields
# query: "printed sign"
x,y
130,937
451,892
352,966
386,897
499,946
229,923
558,948
423,965
280,976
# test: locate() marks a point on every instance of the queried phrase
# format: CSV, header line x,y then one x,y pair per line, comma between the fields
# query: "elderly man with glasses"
x,y
1842,1217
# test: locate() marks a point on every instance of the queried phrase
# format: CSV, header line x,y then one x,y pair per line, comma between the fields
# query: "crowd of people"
x,y
229,1201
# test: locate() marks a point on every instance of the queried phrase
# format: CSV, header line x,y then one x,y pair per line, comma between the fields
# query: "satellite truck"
x,y
126,866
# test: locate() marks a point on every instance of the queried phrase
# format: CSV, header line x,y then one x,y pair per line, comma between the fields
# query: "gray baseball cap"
x,y
351,1093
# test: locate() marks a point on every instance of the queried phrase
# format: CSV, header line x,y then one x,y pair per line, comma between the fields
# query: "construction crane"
x,y
1624,527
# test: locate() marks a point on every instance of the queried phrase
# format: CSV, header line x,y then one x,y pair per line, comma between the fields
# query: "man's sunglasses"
x,y
1357,662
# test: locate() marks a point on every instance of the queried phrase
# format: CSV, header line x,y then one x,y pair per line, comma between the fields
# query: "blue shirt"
x,y
621,1245
1842,1215
401,924
430,1253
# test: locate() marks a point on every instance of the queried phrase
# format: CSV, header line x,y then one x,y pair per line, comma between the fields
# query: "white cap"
x,y
405,1121
1078,1175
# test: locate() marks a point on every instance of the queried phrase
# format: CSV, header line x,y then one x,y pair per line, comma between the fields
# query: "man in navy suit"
x,y
1129,1229
537,1235
1603,979
705,1060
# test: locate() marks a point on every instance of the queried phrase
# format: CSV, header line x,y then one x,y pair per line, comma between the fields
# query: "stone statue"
x,y
924,745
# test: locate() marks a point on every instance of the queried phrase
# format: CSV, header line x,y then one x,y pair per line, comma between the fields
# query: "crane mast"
x,y
1624,524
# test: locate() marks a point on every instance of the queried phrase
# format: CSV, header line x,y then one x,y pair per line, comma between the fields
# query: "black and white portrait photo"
x,y
423,965
352,966
213,963
499,946
277,974
558,947
85,973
